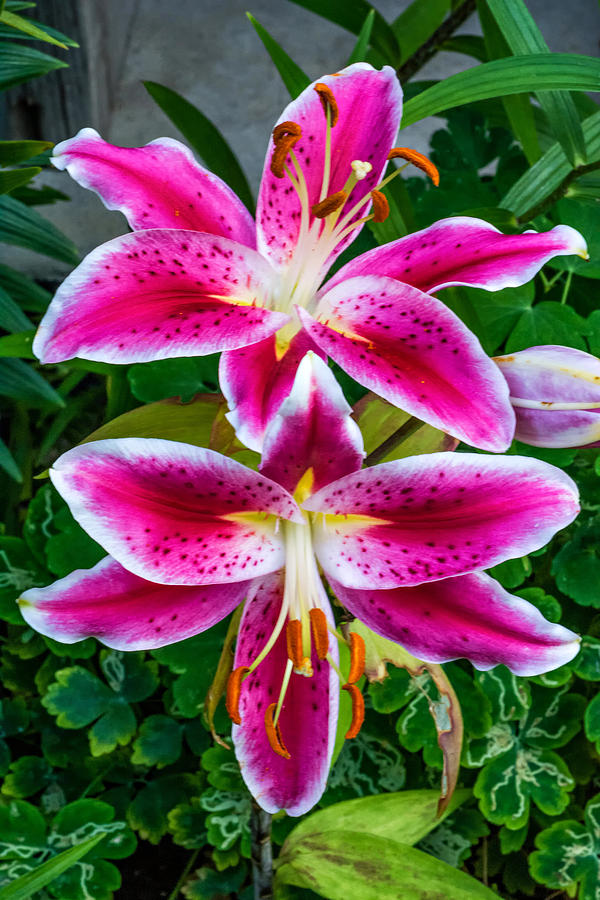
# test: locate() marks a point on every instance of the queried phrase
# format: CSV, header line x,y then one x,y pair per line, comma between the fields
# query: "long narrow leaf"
x,y
24,887
13,152
14,178
502,77
549,171
7,462
417,23
29,295
21,225
20,382
351,14
292,75
364,38
21,63
523,36
12,317
204,137
468,44
28,27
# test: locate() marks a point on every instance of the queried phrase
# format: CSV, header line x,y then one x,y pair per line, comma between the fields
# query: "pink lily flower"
x,y
190,533
198,276
555,392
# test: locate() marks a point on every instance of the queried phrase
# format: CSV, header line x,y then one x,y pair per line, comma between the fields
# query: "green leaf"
x,y
29,295
576,567
183,378
554,717
14,178
115,727
148,812
21,225
27,26
351,14
502,77
292,75
586,664
547,173
524,37
592,719
24,887
568,852
76,698
8,464
469,44
12,318
204,137
362,44
20,382
158,743
346,865
509,695
20,63
417,23
512,572
27,776
406,816
548,322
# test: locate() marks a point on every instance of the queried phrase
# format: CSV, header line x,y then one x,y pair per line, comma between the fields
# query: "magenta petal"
x,y
158,294
370,107
312,430
308,718
552,376
255,383
435,516
472,616
412,350
123,611
159,185
174,513
465,251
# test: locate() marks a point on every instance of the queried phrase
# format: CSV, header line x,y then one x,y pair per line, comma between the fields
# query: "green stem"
x,y
434,43
181,880
558,193
401,434
566,288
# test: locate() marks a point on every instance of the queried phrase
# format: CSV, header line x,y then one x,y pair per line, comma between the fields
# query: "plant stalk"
x,y
434,43
401,434
262,853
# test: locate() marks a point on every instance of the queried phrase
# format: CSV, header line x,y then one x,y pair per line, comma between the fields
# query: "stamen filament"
x,y
284,686
327,160
274,635
274,733
335,668
358,710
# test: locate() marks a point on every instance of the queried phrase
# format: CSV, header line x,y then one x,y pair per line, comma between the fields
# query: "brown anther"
x,y
381,207
357,657
274,733
417,159
358,710
232,697
327,101
318,621
329,204
285,136
294,642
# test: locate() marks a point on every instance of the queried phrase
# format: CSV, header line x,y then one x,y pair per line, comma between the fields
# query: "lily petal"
x,y
159,185
174,513
467,251
256,380
370,108
471,616
158,294
126,612
435,516
554,376
308,717
312,431
413,351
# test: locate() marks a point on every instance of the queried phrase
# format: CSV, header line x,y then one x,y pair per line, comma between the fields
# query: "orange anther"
x,y
329,204
357,657
358,710
232,697
381,207
417,159
286,128
327,101
318,621
274,733
294,642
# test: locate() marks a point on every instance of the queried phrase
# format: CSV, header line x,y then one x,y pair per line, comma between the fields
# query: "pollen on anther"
x,y
327,101
329,204
357,657
294,642
232,697
274,733
318,621
358,710
381,207
417,159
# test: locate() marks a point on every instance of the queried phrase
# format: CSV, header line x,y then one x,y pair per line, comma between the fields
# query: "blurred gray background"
x,y
210,53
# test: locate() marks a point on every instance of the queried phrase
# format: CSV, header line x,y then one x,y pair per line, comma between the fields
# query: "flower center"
x,y
303,614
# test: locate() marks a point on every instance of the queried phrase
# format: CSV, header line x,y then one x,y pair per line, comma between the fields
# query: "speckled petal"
x,y
412,350
434,516
158,294
471,616
312,430
370,106
174,513
159,185
126,612
462,250
549,375
256,380
308,718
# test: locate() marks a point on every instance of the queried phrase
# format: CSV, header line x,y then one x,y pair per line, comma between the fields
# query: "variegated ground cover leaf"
x,y
569,852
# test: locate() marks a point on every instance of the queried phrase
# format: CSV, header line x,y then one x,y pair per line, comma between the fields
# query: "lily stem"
x,y
433,44
262,853
180,881
401,434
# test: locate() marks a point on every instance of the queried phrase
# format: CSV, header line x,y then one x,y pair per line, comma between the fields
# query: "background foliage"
x,y
102,751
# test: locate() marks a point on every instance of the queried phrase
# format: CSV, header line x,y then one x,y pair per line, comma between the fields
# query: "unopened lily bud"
x,y
555,392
